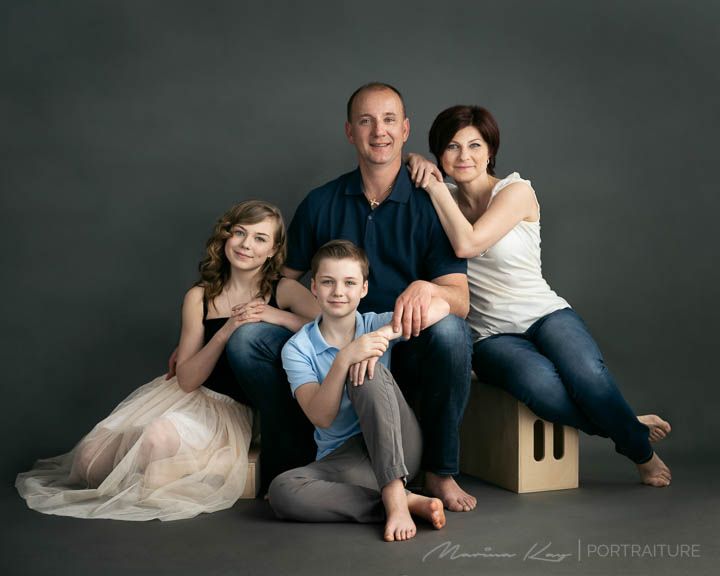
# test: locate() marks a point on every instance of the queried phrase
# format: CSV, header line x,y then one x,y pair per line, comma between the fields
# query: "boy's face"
x,y
339,286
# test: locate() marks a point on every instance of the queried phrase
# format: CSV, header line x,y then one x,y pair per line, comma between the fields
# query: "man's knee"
x,y
450,333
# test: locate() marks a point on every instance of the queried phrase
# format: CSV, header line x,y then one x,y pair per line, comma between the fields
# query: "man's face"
x,y
378,128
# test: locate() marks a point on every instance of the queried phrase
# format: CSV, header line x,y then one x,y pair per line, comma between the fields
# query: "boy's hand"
x,y
369,346
358,371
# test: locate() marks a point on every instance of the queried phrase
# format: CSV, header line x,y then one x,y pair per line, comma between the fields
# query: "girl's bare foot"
x,y
654,472
398,523
453,497
658,427
429,509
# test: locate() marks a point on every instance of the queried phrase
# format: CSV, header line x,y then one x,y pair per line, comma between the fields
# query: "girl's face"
x,y
251,245
466,156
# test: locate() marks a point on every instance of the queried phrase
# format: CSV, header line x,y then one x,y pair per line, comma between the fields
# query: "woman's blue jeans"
x,y
557,370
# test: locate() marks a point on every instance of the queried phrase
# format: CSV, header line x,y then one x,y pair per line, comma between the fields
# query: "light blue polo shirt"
x,y
307,357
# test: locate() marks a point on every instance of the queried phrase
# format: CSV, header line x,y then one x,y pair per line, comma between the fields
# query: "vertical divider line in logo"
x,y
579,551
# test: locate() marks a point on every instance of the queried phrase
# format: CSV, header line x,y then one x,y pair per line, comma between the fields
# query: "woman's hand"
x,y
422,171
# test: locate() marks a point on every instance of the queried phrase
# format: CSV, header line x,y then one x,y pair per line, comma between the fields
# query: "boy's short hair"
x,y
340,250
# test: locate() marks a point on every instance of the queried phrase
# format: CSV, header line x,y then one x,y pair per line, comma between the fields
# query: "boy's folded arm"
x,y
321,402
387,331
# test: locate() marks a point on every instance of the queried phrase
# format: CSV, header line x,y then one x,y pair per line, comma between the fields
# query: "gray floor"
x,y
609,508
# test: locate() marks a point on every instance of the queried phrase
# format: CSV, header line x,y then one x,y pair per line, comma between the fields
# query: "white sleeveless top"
x,y
507,290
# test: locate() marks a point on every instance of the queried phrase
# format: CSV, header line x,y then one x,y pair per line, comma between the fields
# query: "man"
x,y
411,260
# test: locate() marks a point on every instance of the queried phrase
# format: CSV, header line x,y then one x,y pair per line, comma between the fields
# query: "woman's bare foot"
x,y
654,472
429,509
658,427
398,524
453,497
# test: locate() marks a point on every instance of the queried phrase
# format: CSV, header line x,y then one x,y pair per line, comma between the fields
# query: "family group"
x,y
420,272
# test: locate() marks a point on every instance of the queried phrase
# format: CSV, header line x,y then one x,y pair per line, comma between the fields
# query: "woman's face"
x,y
466,156
250,245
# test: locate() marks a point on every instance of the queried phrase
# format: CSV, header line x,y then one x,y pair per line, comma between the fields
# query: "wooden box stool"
x,y
504,443
252,484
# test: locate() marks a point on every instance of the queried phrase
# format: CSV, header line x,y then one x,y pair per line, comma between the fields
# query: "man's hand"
x,y
411,307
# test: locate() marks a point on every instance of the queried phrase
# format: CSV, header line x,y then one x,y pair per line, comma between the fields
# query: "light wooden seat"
x,y
252,484
504,443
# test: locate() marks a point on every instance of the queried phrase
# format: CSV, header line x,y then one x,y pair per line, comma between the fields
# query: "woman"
x,y
175,448
527,339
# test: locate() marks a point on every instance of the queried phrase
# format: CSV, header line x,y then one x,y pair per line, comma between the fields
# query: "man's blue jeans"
x,y
433,371
286,434
557,370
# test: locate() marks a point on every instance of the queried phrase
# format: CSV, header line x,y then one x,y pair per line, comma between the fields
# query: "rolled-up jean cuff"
x,y
646,460
444,471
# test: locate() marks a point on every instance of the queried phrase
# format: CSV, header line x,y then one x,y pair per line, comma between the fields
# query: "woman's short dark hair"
x,y
450,121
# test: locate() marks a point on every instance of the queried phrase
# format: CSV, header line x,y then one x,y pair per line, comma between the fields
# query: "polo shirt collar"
x,y
317,339
401,189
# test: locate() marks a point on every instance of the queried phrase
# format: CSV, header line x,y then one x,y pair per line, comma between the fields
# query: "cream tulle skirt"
x,y
162,453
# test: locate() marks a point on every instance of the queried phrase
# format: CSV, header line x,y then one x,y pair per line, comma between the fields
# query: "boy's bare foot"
x,y
654,472
398,524
658,427
453,497
430,509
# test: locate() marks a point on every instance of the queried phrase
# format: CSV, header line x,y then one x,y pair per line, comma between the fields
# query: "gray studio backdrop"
x,y
130,126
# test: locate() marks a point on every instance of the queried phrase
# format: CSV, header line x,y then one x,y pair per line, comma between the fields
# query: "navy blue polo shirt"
x,y
403,237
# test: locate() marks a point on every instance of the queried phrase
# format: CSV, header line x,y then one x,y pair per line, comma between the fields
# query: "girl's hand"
x,y
271,315
422,171
247,313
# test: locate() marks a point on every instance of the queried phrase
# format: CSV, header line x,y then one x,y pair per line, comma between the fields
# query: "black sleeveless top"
x,y
222,379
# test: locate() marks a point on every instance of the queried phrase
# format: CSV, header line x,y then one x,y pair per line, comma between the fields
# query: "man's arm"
x,y
301,241
453,288
411,307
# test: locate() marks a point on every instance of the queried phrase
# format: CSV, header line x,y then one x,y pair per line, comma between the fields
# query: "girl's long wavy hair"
x,y
215,268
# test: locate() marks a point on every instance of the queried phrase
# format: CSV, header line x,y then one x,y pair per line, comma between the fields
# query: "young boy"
x,y
369,442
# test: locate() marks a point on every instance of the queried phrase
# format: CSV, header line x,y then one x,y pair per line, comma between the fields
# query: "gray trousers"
x,y
345,485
